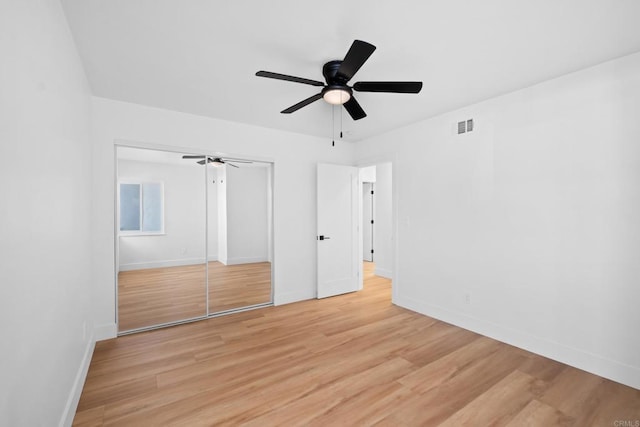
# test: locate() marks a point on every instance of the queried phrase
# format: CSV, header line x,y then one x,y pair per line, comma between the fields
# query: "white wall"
x,y
534,216
368,174
183,241
383,238
294,193
247,215
45,161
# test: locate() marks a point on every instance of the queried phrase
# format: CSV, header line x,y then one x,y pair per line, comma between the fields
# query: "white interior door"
x,y
367,221
337,239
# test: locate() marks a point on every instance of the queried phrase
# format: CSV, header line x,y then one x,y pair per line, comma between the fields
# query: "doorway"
x,y
377,219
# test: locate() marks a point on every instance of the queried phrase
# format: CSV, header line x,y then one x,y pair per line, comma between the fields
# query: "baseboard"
x,y
383,272
161,264
78,384
245,260
213,258
105,332
593,363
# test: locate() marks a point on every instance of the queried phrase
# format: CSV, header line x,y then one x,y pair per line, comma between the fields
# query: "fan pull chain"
x,y
333,125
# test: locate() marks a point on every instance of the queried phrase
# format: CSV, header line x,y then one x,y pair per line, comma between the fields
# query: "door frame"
x,y
370,225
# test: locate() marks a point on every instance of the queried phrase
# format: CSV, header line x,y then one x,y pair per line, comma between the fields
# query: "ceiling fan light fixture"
x,y
336,96
337,74
217,162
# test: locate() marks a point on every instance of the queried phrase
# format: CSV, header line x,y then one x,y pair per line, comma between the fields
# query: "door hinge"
x,y
371,191
371,221
371,250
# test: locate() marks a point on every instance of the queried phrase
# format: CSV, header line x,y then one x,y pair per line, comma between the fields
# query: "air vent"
x,y
465,126
462,127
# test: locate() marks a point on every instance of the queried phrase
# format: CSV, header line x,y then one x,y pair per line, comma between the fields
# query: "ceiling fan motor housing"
x,y
330,73
336,92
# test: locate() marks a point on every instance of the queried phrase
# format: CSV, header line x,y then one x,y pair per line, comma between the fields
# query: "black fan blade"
x,y
354,109
393,87
193,157
285,77
358,53
231,164
301,104
201,162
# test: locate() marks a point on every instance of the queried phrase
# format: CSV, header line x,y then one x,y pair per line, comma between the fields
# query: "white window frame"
x,y
139,232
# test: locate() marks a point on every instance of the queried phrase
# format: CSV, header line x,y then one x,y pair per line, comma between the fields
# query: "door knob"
x,y
322,237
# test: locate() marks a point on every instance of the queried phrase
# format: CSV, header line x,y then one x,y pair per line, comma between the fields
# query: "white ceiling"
x,y
201,56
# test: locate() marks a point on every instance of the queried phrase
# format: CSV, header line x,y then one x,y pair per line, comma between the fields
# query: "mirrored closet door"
x,y
239,212
161,243
193,237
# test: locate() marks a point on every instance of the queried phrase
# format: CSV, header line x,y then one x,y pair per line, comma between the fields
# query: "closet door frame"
x,y
116,231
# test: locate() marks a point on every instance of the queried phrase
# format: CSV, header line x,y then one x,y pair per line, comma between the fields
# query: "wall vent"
x,y
462,128
465,126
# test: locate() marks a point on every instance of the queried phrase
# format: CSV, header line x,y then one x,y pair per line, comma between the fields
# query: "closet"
x,y
193,236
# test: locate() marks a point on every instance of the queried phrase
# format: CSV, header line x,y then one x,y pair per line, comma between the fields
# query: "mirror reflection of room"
x,y
193,237
239,247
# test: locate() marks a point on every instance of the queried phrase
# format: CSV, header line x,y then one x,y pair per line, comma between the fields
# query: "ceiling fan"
x,y
337,74
217,161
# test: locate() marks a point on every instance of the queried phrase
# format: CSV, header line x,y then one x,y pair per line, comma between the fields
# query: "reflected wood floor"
x,y
160,295
241,285
354,359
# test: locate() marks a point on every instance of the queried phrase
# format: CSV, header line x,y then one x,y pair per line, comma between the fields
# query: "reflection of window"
x,y
141,208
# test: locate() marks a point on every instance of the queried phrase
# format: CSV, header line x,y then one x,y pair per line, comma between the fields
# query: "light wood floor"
x,y
162,295
354,359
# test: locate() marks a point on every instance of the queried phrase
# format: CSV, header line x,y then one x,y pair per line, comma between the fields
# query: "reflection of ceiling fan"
x,y
217,161
337,74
